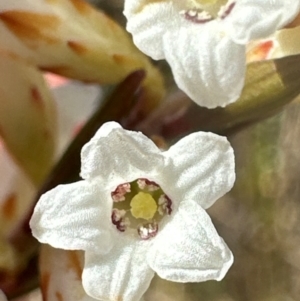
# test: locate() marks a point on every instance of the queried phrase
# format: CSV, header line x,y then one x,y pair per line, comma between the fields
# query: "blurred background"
x,y
258,219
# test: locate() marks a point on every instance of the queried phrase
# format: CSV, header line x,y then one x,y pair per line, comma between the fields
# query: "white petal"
x,y
123,274
117,156
258,19
74,217
206,64
189,249
201,168
148,24
106,129
2,296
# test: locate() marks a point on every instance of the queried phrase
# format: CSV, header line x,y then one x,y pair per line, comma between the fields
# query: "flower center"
x,y
203,11
143,206
140,205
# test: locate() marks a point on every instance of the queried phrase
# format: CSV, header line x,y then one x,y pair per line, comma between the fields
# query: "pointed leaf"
x,y
71,38
27,116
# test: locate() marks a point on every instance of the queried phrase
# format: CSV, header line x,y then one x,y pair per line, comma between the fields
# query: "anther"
x,y
145,184
197,16
119,194
226,9
147,231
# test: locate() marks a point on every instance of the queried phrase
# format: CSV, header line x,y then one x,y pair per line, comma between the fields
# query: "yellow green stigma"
x,y
143,206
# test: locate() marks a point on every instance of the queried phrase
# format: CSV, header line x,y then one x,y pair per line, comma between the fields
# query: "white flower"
x,y
2,296
204,40
139,211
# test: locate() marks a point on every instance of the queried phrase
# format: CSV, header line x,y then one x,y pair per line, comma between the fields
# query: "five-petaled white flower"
x,y
204,40
140,210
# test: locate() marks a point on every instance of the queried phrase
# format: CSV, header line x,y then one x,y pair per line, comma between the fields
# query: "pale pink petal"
x,y
54,80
